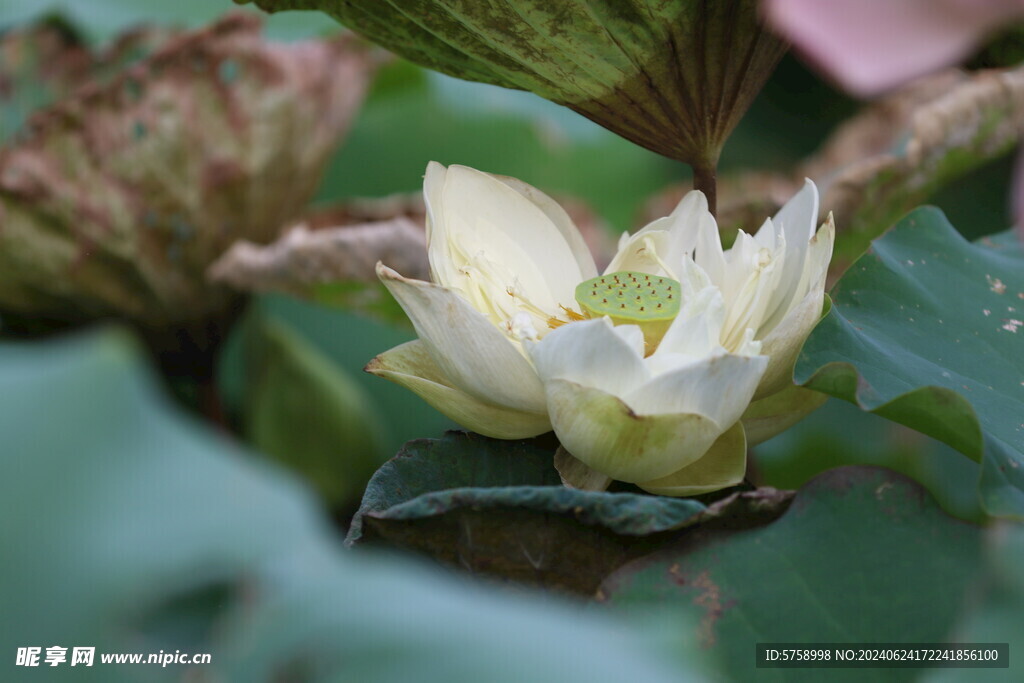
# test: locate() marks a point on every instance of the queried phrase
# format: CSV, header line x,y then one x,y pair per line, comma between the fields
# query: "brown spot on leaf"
x,y
710,599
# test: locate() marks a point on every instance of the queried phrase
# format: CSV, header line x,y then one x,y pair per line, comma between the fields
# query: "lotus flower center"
x,y
649,301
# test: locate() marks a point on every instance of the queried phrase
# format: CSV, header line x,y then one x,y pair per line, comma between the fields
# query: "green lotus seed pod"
x,y
628,298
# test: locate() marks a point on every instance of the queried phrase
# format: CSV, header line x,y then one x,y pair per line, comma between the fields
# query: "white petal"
x,y
411,366
644,252
786,337
724,465
633,336
671,238
474,354
708,253
752,273
487,220
692,278
819,256
593,353
717,387
562,221
796,221
601,430
689,218
783,344
442,265
696,330
767,235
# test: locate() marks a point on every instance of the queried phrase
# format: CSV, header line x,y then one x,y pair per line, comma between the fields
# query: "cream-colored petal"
x,y
696,330
411,366
795,221
601,430
576,474
708,253
562,221
660,247
633,336
688,219
488,220
433,184
724,465
752,273
692,278
717,387
477,357
812,278
783,344
798,217
443,268
645,252
593,353
775,414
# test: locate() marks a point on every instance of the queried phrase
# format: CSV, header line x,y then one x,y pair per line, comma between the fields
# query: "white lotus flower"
x,y
643,372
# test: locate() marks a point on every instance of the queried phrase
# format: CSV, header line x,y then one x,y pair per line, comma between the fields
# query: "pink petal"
x,y
870,46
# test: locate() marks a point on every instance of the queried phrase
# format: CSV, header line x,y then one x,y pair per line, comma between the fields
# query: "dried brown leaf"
x,y
115,199
887,159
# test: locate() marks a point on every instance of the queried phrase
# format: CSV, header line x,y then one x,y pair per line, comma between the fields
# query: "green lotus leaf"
x,y
498,507
674,76
131,528
309,414
926,330
863,555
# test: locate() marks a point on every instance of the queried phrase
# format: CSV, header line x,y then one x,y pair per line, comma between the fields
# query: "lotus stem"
x,y
705,179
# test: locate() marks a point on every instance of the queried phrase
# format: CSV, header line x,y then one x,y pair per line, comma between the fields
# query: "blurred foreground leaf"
x,y
132,529
307,413
348,341
672,76
863,555
498,507
926,330
995,616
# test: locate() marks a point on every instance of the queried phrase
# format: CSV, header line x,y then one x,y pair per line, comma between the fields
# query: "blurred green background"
x,y
412,116
134,527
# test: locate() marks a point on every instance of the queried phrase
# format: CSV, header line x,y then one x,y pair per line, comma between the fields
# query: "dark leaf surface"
x,y
673,76
926,330
862,555
498,507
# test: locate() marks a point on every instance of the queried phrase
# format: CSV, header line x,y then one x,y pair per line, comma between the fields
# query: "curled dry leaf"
x,y
116,197
888,159
305,258
330,256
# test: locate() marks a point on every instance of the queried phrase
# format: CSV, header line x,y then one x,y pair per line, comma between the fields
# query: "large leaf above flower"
x,y
926,330
673,76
